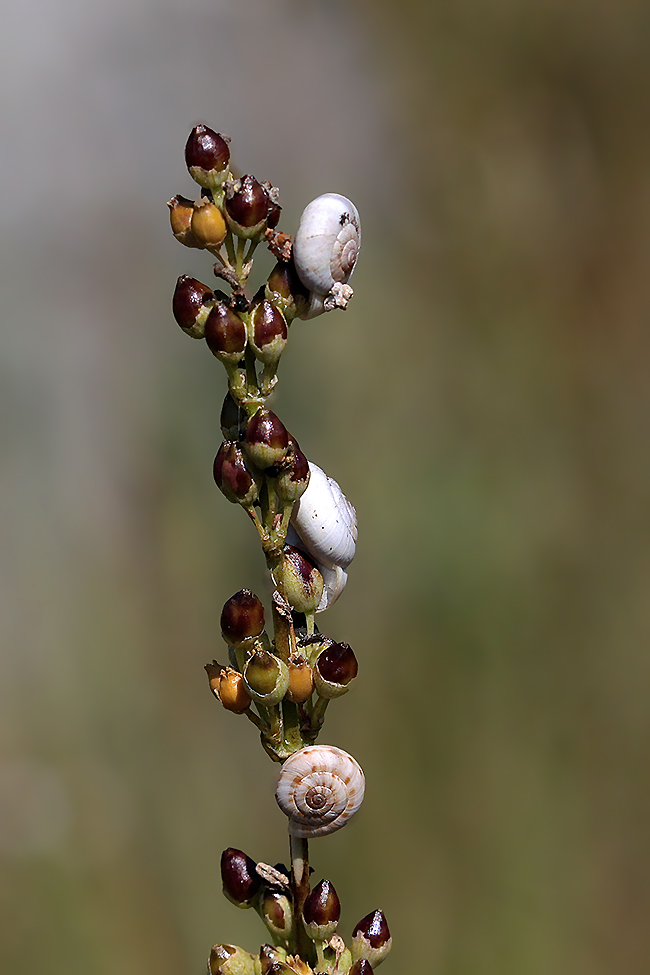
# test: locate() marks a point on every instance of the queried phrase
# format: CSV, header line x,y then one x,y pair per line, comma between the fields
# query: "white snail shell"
x,y
325,250
334,581
320,789
325,521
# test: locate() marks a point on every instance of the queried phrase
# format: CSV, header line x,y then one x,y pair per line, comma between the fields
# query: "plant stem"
x,y
299,851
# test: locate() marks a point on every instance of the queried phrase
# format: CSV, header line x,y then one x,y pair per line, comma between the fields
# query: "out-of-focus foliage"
x,y
484,403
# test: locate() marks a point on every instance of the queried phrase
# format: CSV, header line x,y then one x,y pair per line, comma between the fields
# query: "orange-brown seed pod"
x,y
208,224
301,681
181,211
232,691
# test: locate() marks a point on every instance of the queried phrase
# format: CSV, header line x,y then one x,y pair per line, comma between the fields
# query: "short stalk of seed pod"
x,y
270,955
321,912
298,580
241,882
267,337
266,678
181,211
236,479
301,681
335,667
371,939
208,225
266,439
293,477
242,620
191,305
207,157
246,207
225,334
230,960
274,907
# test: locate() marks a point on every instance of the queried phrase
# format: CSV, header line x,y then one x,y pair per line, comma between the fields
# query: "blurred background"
x,y
484,403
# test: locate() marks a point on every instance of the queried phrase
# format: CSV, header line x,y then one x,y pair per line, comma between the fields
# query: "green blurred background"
x,y
484,403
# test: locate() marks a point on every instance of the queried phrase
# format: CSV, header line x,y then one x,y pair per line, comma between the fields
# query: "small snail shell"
x,y
320,789
325,250
334,581
325,521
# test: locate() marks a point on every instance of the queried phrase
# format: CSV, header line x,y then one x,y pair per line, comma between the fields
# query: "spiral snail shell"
x,y
325,251
325,521
320,789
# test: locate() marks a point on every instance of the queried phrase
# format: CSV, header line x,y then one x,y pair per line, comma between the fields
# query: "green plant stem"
x,y
299,852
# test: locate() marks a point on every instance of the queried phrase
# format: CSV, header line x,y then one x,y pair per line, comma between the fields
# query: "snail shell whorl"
x,y
327,242
320,789
326,521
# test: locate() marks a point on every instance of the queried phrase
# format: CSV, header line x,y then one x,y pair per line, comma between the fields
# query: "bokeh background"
x,y
485,404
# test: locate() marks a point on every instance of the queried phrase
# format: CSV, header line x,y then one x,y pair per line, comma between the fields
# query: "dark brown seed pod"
x,y
293,478
371,939
207,156
285,289
191,305
242,618
231,416
335,667
240,880
233,476
247,206
269,956
361,967
268,334
266,439
277,913
225,334
321,911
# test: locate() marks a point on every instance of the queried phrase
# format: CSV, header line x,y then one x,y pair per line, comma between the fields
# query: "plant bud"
x,y
247,206
266,678
293,479
181,211
321,912
269,956
208,224
301,681
233,477
242,619
225,334
266,439
268,333
230,960
361,967
335,667
191,305
299,580
207,156
277,913
240,880
371,939
231,414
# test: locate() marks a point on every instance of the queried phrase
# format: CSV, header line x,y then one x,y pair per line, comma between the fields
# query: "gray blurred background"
x,y
484,403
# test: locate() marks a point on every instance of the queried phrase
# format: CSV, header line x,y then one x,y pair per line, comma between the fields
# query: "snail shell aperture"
x,y
320,789
327,243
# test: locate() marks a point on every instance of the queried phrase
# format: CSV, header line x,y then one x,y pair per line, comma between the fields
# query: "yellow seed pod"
x,y
232,691
301,681
208,224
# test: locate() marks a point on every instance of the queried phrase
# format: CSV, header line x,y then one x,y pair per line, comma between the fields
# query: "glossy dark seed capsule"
x,y
285,289
269,956
191,305
292,480
247,207
268,332
337,664
225,334
321,912
240,880
232,475
361,967
207,156
266,439
242,617
371,938
231,414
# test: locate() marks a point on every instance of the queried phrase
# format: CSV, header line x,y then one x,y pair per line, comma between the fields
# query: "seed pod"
x,y
371,939
321,912
207,156
225,334
361,967
228,686
277,913
266,439
291,483
298,580
233,477
269,956
240,879
181,211
230,960
301,681
242,619
231,415
266,678
191,305
285,289
247,206
208,224
335,667
268,332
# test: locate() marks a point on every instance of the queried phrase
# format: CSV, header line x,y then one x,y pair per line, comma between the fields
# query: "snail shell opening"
x,y
320,788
